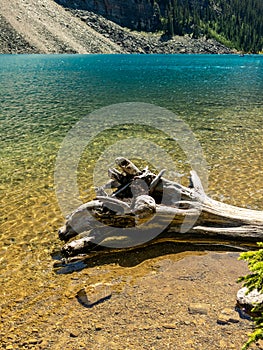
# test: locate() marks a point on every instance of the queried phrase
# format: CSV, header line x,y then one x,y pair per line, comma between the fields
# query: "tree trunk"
x,y
145,206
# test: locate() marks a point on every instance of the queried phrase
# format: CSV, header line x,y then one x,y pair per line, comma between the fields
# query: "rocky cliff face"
x,y
134,14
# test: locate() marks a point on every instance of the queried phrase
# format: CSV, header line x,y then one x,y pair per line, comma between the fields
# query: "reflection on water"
x,y
42,97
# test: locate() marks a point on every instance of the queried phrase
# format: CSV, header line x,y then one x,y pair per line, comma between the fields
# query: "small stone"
x,y
11,335
82,345
259,343
169,326
227,316
222,319
98,327
9,347
32,341
44,344
73,334
199,308
189,342
19,300
227,311
69,295
113,345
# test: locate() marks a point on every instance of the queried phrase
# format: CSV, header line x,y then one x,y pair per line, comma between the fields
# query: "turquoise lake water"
x,y
42,97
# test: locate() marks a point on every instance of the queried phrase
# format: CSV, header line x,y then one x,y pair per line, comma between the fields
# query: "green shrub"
x,y
252,281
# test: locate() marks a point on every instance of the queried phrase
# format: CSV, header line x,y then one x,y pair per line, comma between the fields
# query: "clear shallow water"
x,y
42,97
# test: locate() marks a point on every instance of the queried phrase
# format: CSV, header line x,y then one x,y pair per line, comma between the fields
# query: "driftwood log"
x,y
142,206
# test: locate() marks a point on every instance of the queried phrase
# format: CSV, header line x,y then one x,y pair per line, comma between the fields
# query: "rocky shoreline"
x,y
51,28
136,42
180,301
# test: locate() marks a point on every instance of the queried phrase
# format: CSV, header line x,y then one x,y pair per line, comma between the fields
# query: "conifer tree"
x,y
239,22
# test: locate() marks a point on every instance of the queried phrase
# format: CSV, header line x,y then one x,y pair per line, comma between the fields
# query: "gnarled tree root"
x,y
143,205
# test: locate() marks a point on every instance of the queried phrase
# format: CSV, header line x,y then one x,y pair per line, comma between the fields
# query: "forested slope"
x,y
238,23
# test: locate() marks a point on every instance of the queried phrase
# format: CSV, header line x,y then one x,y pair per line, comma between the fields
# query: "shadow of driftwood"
x,y
136,255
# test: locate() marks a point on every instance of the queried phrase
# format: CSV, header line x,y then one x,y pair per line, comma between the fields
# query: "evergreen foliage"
x,y
236,22
254,281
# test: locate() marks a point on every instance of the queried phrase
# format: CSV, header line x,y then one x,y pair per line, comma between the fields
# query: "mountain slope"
x,y
237,23
11,41
49,28
43,26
